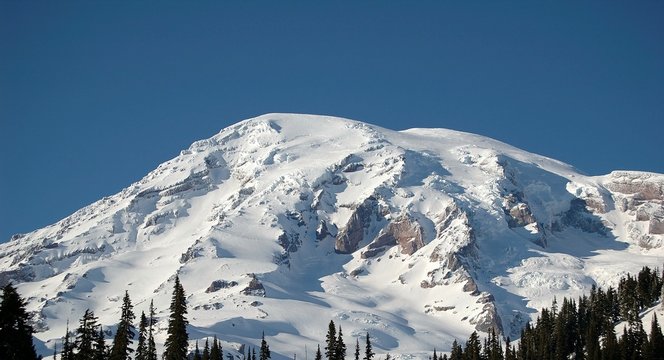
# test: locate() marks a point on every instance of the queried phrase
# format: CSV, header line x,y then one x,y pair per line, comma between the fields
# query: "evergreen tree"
x,y
656,342
340,347
661,296
175,347
216,353
15,329
197,353
435,355
220,349
457,352
124,336
610,346
318,356
593,350
368,351
509,352
86,335
253,354
206,350
331,341
473,347
357,349
151,347
265,349
494,347
100,345
67,346
142,346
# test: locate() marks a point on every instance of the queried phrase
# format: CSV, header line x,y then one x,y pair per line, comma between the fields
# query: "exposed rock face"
x,y
642,196
579,217
488,319
641,186
255,287
656,225
404,231
517,211
353,233
220,284
322,231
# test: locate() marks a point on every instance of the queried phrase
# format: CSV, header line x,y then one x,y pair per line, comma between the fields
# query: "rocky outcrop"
x,y
290,242
255,287
640,186
322,231
404,231
487,319
22,274
517,210
579,217
220,284
353,233
640,195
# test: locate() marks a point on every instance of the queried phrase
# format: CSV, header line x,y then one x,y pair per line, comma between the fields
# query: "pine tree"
x,y
655,348
219,349
457,352
610,346
473,347
253,354
206,350
340,347
67,346
175,347
216,351
142,346
15,329
435,355
197,353
661,296
368,351
357,349
318,356
86,335
331,341
509,353
494,347
152,321
593,350
100,345
265,349
124,336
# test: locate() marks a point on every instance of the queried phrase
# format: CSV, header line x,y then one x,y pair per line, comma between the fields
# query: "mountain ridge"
x,y
419,233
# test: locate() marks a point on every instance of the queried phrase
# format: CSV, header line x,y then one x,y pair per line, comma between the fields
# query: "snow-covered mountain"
x,y
284,222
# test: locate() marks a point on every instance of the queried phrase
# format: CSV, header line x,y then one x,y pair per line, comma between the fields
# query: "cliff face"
x,y
419,235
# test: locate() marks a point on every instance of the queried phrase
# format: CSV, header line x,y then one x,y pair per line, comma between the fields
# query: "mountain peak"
x,y
420,235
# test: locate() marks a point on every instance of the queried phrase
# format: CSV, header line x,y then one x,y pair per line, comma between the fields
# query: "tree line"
x,y
577,329
583,328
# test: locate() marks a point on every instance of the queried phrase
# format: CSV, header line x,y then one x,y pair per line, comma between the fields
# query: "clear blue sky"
x,y
94,94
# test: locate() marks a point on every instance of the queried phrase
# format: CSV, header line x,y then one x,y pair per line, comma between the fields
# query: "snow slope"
x,y
284,222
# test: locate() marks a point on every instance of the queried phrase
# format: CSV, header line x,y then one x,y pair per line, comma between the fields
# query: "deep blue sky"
x,y
94,94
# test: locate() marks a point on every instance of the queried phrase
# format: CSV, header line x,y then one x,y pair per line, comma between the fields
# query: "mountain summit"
x,y
284,222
